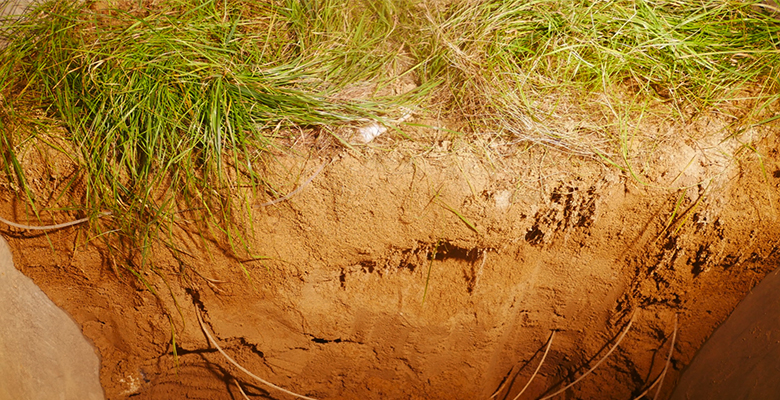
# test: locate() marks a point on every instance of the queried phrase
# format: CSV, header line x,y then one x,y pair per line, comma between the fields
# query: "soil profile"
x,y
430,273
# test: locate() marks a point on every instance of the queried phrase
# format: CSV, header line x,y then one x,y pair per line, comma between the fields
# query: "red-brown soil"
x,y
332,305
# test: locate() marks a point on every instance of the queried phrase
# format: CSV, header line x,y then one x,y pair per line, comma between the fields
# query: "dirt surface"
x,y
436,269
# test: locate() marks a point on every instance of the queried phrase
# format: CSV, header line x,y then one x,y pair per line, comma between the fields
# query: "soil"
x,y
433,268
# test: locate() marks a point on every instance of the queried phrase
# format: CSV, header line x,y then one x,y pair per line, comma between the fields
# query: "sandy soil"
x,y
514,244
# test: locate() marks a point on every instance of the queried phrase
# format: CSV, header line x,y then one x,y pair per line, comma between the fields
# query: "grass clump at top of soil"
x,y
175,105
522,68
162,103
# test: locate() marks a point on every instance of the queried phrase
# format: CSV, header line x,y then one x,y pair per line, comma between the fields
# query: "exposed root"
x,y
237,365
294,192
538,367
668,359
503,384
240,389
622,335
660,377
51,227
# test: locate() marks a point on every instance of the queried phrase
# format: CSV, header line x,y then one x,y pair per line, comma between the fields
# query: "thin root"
x,y
538,367
503,384
660,377
240,389
50,227
237,365
668,358
622,335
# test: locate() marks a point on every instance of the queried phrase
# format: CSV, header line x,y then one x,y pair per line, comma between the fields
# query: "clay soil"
x,y
431,269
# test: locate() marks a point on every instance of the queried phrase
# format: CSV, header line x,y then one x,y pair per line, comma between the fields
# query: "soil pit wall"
x,y
394,275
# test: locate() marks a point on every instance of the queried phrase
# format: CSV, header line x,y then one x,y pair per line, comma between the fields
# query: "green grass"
x,y
520,67
171,108
171,113
178,106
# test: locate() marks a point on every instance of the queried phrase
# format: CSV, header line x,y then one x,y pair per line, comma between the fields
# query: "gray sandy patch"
x,y
13,7
10,10
43,354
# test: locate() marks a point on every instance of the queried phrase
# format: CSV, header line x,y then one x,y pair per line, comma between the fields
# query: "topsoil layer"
x,y
443,273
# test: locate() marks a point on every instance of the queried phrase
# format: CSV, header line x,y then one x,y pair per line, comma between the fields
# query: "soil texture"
x,y
431,271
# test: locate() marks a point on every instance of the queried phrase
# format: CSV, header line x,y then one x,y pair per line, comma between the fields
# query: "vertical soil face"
x,y
431,275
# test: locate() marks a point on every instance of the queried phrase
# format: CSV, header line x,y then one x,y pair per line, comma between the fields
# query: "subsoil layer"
x,y
409,274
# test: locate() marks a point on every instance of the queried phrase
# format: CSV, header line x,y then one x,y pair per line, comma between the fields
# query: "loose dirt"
x,y
432,269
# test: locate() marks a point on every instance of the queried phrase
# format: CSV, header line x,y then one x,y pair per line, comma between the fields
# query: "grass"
x,y
521,67
172,110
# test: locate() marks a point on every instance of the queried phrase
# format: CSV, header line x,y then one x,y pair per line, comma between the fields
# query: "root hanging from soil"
x,y
51,227
538,367
237,365
294,192
503,384
668,359
617,343
240,389
660,380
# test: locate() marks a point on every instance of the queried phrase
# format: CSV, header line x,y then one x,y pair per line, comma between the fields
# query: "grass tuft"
x,y
525,68
173,107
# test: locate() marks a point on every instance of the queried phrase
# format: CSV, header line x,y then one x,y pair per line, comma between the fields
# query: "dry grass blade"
x,y
538,367
617,343
237,365
294,192
50,227
459,215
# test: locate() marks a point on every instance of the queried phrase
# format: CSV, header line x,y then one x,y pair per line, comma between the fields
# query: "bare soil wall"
x,y
401,274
